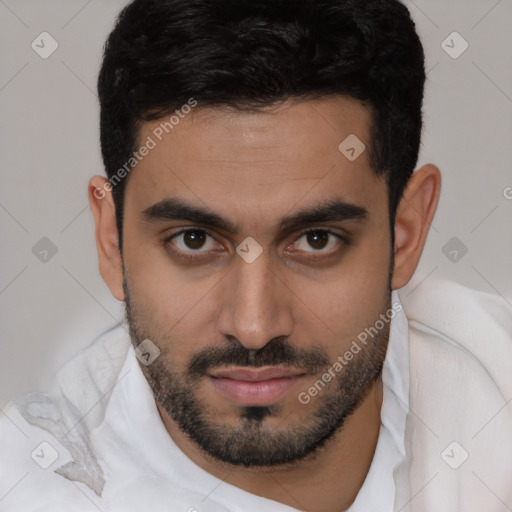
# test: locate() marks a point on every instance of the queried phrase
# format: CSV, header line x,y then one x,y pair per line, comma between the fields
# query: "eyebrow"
x,y
328,211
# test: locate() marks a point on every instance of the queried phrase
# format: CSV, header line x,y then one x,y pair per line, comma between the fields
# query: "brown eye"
x,y
194,239
317,239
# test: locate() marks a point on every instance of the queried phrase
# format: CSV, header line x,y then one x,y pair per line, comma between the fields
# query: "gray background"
x,y
49,149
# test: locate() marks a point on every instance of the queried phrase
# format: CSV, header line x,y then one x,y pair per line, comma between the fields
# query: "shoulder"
x,y
456,310
45,437
460,344
476,323
30,456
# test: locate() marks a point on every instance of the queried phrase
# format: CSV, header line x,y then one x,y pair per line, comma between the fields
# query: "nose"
x,y
256,305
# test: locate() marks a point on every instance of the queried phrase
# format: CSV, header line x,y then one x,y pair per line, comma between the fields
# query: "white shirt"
x,y
103,432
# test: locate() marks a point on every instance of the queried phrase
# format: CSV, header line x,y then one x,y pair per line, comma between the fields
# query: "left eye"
x,y
317,241
193,240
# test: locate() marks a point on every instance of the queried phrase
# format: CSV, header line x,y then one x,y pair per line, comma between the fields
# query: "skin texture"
x,y
254,169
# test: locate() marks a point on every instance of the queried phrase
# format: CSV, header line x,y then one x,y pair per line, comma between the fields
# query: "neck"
x,y
327,482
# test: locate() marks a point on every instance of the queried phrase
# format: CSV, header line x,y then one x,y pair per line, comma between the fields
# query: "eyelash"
x,y
190,257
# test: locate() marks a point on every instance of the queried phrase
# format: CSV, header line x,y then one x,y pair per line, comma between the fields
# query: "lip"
x,y
255,374
254,387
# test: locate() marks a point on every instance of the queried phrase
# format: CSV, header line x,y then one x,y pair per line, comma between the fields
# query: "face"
x,y
254,254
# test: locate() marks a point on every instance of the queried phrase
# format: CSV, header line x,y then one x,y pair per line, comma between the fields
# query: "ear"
x,y
107,237
413,218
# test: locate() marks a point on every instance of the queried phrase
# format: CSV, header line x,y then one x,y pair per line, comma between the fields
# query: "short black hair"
x,y
250,54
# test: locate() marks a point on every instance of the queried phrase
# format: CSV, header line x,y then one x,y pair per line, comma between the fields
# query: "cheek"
x,y
169,308
352,296
163,290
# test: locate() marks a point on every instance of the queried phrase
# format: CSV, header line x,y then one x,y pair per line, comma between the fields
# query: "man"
x,y
259,216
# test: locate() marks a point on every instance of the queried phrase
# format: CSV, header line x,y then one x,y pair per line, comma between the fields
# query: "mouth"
x,y
254,387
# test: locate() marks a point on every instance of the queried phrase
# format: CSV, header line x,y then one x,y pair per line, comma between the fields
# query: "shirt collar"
x,y
379,488
395,377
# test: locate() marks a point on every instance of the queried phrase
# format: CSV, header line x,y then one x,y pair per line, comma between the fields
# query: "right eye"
x,y
192,241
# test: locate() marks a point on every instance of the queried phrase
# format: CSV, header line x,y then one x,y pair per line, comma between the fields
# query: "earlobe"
x,y
413,219
107,237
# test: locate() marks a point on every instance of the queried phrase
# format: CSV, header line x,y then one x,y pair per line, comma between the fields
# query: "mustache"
x,y
277,352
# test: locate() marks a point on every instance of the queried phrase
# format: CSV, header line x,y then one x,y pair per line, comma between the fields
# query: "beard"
x,y
251,441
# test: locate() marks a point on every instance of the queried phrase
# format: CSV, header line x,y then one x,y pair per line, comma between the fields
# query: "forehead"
x,y
232,160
